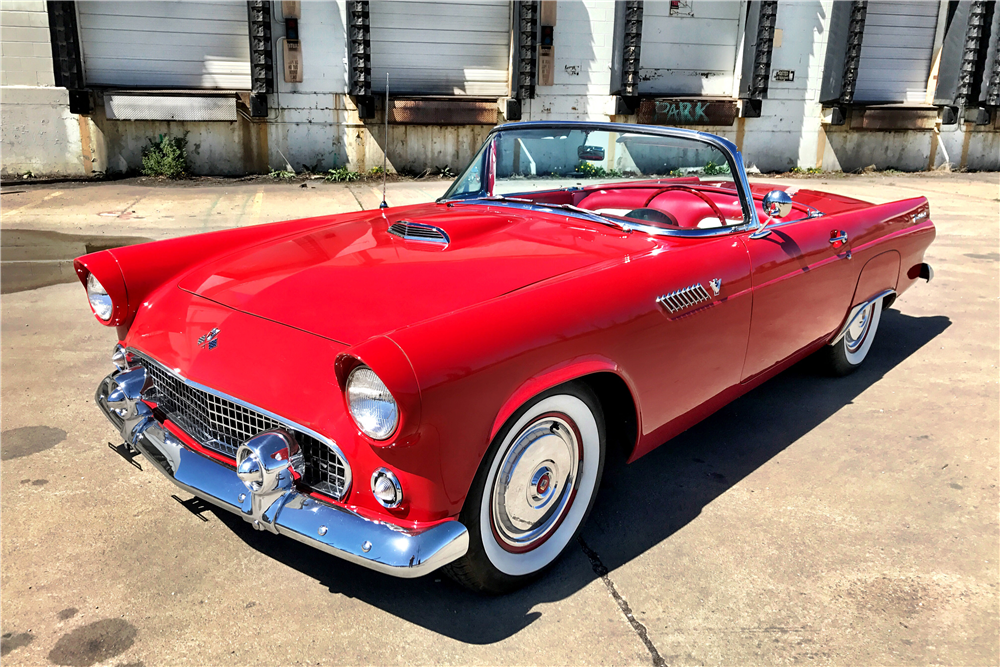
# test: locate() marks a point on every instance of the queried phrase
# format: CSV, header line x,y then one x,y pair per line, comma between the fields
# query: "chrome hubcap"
x,y
535,483
856,333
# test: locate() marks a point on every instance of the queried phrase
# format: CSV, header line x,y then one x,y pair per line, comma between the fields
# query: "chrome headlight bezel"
x,y
100,301
370,403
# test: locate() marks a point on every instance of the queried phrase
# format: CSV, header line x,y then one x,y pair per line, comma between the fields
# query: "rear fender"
x,y
878,277
555,376
879,274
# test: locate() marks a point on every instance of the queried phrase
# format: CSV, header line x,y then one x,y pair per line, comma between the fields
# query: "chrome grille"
x,y
684,298
223,425
415,231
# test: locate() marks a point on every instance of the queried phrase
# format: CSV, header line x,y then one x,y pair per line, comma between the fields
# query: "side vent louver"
x,y
684,298
415,231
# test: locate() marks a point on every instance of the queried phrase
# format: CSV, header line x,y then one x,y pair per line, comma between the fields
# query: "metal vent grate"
x,y
684,298
223,425
415,231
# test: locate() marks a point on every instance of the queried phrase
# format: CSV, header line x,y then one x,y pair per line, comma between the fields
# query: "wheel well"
x,y
620,415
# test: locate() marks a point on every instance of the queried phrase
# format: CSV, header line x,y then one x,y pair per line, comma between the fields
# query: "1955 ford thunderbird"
x,y
439,384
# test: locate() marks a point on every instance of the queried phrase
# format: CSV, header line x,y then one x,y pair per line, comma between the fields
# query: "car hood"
x,y
351,279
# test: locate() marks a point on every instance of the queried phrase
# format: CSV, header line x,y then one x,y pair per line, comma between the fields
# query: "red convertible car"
x,y
440,384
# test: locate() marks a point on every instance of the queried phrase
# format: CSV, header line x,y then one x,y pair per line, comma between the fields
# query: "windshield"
x,y
685,179
546,159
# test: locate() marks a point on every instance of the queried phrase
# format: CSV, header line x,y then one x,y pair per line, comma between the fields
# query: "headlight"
x,y
99,299
370,403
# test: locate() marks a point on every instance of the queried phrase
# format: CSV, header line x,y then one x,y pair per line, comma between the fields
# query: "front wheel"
x,y
846,355
534,490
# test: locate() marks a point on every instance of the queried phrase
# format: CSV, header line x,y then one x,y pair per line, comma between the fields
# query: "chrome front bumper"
x,y
373,544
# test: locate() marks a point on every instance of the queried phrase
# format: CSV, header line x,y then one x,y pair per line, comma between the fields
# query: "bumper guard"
x,y
280,509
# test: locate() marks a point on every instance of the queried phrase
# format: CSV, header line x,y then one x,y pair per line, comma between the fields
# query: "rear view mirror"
x,y
777,203
591,153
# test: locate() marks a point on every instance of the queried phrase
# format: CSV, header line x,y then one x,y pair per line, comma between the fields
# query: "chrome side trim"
x,y
684,298
377,545
348,476
418,231
857,311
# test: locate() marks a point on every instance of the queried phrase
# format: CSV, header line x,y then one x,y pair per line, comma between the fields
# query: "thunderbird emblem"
x,y
209,340
716,285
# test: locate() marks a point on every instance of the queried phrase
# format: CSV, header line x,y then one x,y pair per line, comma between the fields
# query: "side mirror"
x,y
777,203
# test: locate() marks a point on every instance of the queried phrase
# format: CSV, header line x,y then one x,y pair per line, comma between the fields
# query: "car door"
x,y
802,287
690,345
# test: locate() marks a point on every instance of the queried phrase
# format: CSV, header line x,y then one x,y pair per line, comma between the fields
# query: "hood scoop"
x,y
417,231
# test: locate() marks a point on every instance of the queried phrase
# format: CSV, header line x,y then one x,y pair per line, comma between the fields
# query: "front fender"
x,y
552,377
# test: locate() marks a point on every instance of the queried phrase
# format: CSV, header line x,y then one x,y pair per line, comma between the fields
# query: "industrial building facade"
x,y
255,86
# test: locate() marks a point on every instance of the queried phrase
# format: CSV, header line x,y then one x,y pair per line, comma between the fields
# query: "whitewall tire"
x,y
845,355
533,491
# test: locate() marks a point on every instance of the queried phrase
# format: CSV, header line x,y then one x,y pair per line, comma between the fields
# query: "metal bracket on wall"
x,y
527,48
67,64
360,54
855,35
993,87
761,74
970,75
261,57
631,48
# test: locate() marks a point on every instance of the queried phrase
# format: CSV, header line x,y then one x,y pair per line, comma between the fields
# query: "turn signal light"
x,y
386,488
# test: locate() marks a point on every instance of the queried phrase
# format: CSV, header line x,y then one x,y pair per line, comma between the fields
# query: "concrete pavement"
x,y
821,521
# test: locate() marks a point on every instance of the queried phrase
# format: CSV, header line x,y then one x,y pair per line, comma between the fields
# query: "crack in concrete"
x,y
640,629
355,195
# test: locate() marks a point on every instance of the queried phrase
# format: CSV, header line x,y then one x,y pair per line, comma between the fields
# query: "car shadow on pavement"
x,y
632,515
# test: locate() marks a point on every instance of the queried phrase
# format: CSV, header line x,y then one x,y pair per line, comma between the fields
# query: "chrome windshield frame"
x,y
751,221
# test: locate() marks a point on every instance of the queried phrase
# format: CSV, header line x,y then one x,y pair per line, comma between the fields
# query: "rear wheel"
x,y
534,490
847,354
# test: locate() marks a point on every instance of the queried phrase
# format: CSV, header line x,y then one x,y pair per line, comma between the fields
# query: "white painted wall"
x,y
787,133
584,40
306,125
314,124
38,134
25,48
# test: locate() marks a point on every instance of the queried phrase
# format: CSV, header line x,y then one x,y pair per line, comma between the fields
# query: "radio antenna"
x,y
385,149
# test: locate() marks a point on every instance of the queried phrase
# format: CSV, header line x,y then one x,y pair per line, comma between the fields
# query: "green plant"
x,y
374,172
677,173
597,171
282,174
807,170
341,175
446,172
166,156
712,169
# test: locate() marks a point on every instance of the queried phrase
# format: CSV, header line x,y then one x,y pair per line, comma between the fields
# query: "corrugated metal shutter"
x,y
166,44
896,51
441,48
693,51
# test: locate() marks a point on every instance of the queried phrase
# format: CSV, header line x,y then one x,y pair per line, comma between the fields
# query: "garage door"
x,y
689,47
166,44
896,51
441,48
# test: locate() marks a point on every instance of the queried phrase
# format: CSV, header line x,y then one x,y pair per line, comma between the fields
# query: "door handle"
x,y
838,238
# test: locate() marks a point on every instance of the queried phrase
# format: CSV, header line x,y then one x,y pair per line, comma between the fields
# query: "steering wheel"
x,y
700,195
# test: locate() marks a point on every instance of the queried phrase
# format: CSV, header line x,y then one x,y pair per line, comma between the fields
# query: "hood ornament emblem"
x,y
716,285
209,340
